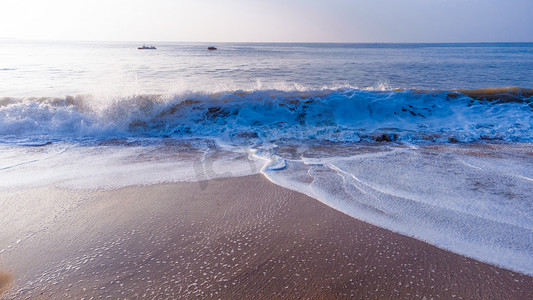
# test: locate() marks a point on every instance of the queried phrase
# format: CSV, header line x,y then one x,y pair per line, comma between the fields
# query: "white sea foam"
x,y
117,165
474,200
476,203
345,115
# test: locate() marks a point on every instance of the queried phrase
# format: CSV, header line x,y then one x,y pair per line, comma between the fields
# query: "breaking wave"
x,y
344,115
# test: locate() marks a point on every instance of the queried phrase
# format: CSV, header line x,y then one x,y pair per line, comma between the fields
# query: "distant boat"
x,y
211,48
147,47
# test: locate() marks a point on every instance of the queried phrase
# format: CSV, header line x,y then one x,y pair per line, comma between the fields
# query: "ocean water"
x,y
56,69
434,141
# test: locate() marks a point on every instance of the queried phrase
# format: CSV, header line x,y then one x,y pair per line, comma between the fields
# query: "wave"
x,y
342,115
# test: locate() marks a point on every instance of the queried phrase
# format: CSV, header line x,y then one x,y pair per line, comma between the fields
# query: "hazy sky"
x,y
269,20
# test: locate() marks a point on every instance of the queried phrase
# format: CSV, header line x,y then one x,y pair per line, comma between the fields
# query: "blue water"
x,y
273,116
433,141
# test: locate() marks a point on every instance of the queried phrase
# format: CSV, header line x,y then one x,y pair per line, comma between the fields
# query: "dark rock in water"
x,y
453,140
211,48
386,137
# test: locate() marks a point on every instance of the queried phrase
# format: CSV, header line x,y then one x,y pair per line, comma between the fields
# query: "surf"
x,y
342,115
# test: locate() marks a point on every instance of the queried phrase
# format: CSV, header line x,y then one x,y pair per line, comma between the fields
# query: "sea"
x,y
433,141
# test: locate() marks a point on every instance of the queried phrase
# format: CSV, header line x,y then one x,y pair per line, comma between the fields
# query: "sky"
x,y
269,20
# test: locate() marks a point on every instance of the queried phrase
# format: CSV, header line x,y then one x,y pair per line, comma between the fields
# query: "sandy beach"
x,y
226,238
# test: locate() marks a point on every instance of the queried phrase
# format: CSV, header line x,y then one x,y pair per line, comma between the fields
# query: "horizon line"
x,y
264,42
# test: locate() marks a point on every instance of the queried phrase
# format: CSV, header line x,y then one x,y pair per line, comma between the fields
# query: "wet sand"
x,y
227,238
5,280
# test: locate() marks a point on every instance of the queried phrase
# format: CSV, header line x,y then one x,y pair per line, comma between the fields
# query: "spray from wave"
x,y
342,115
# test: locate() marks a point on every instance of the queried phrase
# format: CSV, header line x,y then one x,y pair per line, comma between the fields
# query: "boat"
x,y
147,47
211,48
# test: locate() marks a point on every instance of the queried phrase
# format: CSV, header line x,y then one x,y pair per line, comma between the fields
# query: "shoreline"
x,y
232,238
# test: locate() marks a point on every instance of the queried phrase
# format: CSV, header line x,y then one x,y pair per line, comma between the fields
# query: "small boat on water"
x,y
147,47
211,48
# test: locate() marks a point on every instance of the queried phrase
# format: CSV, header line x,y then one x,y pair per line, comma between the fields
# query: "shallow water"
x,y
471,199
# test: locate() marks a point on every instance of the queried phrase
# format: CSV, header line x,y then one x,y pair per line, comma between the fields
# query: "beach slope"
x,y
225,238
